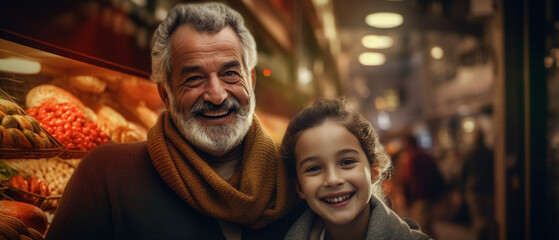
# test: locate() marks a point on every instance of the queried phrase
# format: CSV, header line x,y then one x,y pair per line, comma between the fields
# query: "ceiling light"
x,y
305,75
383,120
437,52
19,66
468,125
160,14
384,20
372,59
377,41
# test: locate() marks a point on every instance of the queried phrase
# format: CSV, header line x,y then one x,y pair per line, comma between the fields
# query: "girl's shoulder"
x,y
302,228
386,224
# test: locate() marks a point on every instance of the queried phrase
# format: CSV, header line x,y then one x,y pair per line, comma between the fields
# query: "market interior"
x,y
454,74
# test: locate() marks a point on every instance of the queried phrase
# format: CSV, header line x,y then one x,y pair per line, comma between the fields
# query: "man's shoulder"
x,y
119,149
117,153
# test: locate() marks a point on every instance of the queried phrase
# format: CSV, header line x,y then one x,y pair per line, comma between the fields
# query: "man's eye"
x,y
231,77
230,74
195,78
193,81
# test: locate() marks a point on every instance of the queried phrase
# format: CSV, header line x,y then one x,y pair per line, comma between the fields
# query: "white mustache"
x,y
203,106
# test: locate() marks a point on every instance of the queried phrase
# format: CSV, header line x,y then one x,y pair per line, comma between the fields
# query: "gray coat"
x,y
383,224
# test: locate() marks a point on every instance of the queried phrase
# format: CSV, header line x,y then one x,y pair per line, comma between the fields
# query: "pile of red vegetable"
x,y
67,124
32,185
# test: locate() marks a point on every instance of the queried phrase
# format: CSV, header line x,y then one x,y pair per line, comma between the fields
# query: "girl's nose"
x,y
333,178
215,91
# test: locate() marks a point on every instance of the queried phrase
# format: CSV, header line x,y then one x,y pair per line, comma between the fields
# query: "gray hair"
x,y
203,17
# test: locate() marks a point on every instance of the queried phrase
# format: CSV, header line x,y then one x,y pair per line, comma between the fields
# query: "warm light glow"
x,y
20,66
380,103
372,59
266,72
377,41
383,120
392,99
468,125
320,2
437,52
305,75
329,25
384,20
160,14
141,3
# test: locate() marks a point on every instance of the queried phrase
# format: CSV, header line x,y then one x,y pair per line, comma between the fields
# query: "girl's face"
x,y
334,175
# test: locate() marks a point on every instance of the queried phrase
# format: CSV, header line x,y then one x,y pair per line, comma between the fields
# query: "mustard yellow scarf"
x,y
257,194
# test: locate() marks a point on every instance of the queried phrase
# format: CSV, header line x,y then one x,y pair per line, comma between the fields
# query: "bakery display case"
x,y
73,75
64,95
54,109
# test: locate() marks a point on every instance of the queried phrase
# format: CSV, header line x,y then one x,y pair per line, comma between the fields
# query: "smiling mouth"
x,y
338,199
216,114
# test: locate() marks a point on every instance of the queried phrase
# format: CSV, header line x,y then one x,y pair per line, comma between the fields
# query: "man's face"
x,y
211,97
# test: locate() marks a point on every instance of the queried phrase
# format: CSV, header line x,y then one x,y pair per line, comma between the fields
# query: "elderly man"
x,y
207,170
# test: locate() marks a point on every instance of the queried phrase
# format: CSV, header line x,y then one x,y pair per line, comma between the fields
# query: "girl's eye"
x,y
312,169
347,162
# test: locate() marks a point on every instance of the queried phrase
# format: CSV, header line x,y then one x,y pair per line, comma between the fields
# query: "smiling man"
x,y
207,169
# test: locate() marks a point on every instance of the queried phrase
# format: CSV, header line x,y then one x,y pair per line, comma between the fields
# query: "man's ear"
x,y
299,191
164,95
253,78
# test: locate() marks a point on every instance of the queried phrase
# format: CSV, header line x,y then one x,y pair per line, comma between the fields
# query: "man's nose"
x,y
215,90
333,178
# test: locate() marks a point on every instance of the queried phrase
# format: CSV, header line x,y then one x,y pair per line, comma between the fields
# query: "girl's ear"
x,y
375,174
299,191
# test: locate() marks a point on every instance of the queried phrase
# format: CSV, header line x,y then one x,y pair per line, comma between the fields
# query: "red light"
x,y
266,72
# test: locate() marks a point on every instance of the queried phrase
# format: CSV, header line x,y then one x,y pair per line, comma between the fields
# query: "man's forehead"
x,y
187,33
188,43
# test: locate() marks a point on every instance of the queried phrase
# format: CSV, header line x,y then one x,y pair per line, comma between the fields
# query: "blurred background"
x,y
473,84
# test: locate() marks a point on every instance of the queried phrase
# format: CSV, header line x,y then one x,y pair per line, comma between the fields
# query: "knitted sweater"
x,y
116,193
383,224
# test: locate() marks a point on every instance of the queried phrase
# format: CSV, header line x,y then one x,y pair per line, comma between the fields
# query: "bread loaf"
x,y
53,94
139,111
117,127
30,215
88,84
141,90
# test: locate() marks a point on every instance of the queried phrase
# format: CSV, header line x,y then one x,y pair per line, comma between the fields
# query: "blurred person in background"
x,y
419,182
207,170
450,167
478,188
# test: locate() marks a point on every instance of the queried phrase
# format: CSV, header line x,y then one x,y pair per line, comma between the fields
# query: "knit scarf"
x,y
257,194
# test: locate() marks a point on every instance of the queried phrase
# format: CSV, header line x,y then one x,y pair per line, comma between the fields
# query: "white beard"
x,y
218,139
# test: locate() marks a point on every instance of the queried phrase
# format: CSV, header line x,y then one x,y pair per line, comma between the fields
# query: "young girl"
x,y
336,161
